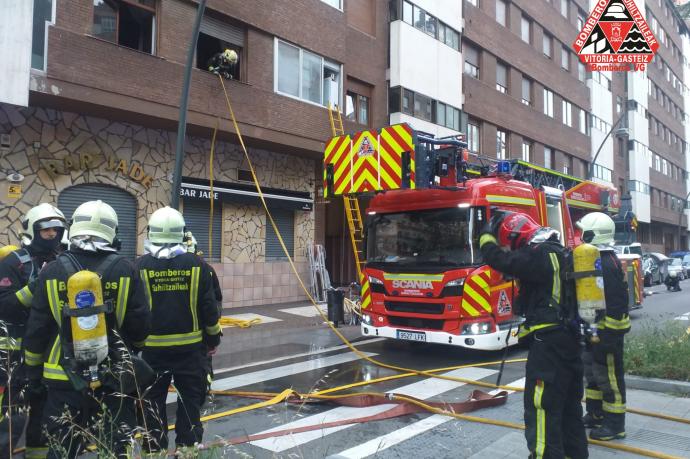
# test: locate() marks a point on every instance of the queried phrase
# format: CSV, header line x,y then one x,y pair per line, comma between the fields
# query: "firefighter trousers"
x,y
605,377
553,394
187,372
74,418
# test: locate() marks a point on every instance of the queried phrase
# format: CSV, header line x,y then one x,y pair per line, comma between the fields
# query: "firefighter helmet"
x,y
190,241
43,216
230,55
597,228
166,226
515,230
94,218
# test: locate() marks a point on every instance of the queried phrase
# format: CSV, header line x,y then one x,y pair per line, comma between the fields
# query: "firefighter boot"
x,y
593,420
612,428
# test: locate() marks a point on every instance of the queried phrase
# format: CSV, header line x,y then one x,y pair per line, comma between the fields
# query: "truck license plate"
x,y
411,336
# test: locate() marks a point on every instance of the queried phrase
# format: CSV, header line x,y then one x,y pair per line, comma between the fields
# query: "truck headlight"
x,y
375,280
476,328
366,319
456,283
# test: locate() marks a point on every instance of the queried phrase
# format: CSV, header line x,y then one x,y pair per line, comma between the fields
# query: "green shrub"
x,y
659,351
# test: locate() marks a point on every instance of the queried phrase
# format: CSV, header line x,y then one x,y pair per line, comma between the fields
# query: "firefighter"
x,y
603,360
87,395
514,244
224,63
42,230
185,328
192,247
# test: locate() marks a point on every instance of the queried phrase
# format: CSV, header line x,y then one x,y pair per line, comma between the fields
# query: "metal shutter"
x,y
219,29
196,213
125,206
285,221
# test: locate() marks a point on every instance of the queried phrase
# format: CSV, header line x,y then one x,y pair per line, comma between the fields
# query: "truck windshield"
x,y
438,237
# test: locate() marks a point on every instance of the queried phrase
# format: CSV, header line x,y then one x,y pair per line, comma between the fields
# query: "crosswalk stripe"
x,y
247,379
423,389
378,444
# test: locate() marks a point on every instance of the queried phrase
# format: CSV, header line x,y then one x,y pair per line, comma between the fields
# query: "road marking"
x,y
247,379
251,316
685,316
423,389
378,444
305,311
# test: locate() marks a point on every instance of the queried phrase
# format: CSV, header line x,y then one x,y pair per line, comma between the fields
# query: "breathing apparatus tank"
x,y
6,250
589,285
89,332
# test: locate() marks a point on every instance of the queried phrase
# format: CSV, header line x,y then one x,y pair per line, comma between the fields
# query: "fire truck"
x,y
417,248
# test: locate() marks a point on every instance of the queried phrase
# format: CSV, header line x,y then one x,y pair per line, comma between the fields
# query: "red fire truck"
x,y
423,278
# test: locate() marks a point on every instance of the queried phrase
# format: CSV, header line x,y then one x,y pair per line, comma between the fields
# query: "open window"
x,y
130,23
215,36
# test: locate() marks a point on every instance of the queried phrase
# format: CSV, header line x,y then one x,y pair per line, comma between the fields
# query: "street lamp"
x,y
623,131
680,219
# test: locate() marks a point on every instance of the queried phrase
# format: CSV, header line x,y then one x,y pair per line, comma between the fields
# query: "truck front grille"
x,y
413,307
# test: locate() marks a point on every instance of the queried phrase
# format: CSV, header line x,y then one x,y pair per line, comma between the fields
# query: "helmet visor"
x,y
47,224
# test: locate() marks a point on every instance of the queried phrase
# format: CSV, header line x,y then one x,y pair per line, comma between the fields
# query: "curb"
x,y
669,386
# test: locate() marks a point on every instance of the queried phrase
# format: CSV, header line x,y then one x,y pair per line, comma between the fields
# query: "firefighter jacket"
x,y
538,269
183,305
48,334
617,320
18,272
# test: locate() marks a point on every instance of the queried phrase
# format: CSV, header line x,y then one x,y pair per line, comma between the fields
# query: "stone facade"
x,y
54,150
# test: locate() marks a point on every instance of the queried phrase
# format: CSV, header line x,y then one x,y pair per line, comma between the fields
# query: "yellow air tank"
x,y
6,250
589,284
89,332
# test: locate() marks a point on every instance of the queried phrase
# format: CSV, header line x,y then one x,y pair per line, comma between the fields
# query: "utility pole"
x,y
184,102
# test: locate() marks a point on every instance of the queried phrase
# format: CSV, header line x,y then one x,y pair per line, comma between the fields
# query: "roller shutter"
x,y
196,213
219,29
125,206
285,221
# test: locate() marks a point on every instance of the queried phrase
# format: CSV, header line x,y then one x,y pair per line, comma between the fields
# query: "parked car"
x,y
654,268
686,264
676,265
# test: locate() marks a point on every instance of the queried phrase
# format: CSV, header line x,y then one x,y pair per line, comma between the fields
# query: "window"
x,y
407,12
334,3
602,172
424,21
583,121
546,45
548,157
501,12
567,113
580,22
408,104
448,36
357,108
568,164
548,103
564,8
501,145
581,71
526,30
526,151
565,58
447,116
128,23
285,221
526,91
43,12
471,61
473,3
619,104
423,107
216,36
501,78
306,75
473,136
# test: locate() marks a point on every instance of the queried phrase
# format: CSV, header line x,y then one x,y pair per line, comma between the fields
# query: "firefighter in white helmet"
x,y
74,397
43,227
185,328
605,392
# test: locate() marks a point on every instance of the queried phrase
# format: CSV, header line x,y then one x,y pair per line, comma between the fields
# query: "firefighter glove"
x,y
211,341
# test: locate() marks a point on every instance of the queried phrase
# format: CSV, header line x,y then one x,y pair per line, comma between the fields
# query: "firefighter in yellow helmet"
x,y
84,385
224,64
42,229
605,393
185,328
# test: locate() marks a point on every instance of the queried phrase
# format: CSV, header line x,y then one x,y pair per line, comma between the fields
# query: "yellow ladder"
x,y
356,225
336,120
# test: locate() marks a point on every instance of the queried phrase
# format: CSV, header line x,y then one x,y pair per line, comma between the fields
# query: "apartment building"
x,y
89,108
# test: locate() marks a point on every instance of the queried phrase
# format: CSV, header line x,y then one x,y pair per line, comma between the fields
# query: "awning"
x,y
193,188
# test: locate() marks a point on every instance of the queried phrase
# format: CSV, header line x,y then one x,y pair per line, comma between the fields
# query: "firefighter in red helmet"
x,y
514,244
